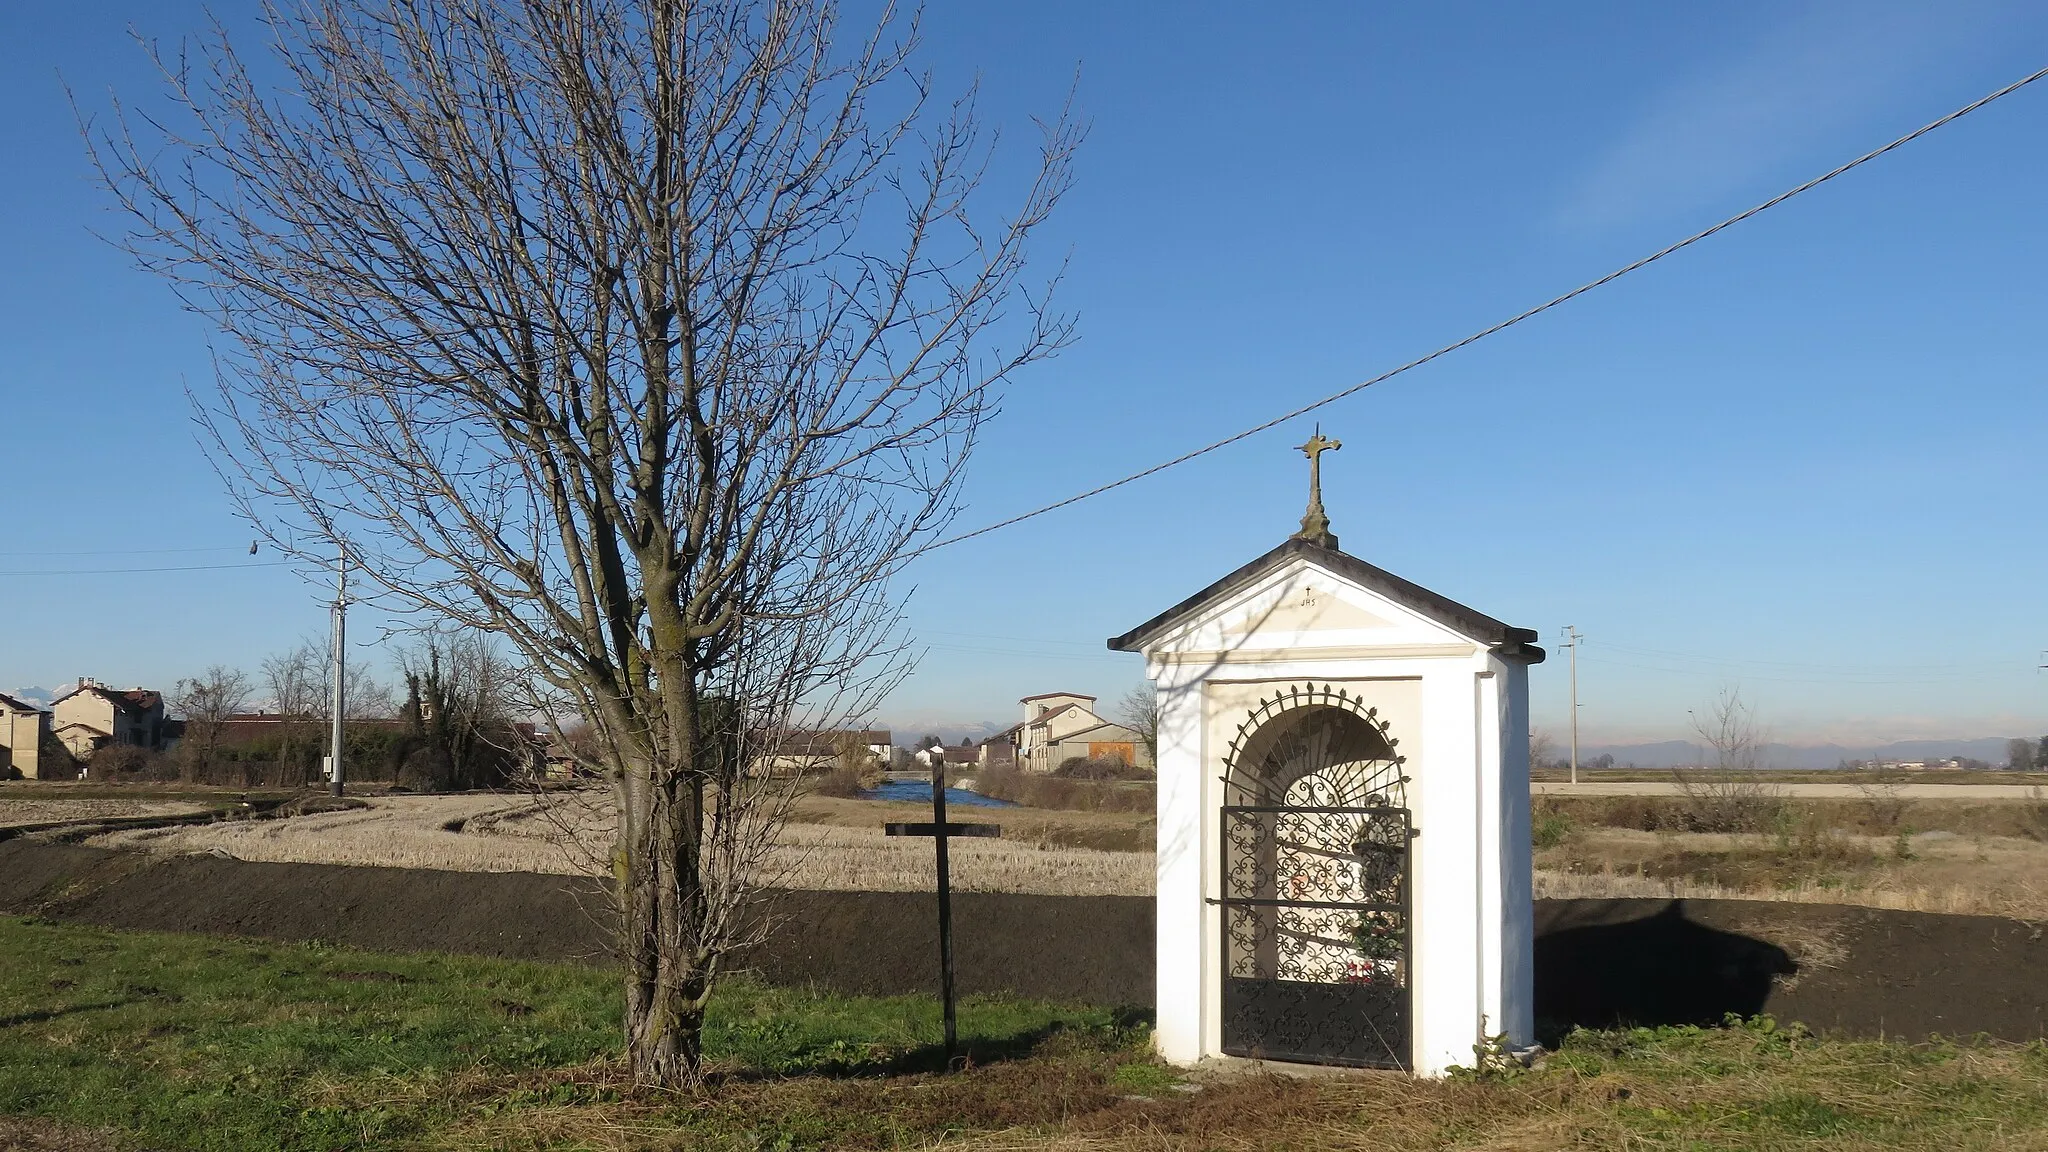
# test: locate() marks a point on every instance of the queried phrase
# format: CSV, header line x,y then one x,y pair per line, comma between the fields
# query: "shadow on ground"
x,y
974,1051
1659,970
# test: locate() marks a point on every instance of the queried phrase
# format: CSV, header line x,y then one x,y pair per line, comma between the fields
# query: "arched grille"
x,y
1315,883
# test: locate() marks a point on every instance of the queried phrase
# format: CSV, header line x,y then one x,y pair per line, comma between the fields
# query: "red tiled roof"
x,y
130,700
815,743
1062,710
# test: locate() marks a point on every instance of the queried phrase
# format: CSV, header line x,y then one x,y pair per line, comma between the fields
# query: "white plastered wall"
x,y
1466,735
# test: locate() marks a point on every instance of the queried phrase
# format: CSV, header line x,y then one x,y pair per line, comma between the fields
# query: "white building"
x,y
1063,726
1343,854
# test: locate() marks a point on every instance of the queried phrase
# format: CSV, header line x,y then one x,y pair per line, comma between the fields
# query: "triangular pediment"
x,y
1303,596
1304,608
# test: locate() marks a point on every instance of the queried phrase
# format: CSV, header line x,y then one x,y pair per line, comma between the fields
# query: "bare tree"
x,y
205,702
1728,795
650,337
300,682
293,678
1542,749
1139,711
459,704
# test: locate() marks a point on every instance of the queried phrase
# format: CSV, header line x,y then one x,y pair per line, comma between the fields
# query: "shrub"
x,y
1054,791
1107,768
842,782
1727,801
1551,827
128,762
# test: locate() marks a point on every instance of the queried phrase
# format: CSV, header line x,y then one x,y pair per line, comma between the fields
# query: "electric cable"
x,y
121,552
120,571
1510,322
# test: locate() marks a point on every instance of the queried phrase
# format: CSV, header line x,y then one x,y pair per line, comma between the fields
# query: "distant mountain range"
x,y
1679,753
903,732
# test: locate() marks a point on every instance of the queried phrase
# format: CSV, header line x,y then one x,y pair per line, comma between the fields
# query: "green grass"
x,y
182,1042
200,1043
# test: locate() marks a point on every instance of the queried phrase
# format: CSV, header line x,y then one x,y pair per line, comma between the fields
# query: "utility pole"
x,y
1572,642
340,693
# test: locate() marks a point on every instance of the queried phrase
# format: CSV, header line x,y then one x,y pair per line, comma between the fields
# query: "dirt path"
x,y
1806,791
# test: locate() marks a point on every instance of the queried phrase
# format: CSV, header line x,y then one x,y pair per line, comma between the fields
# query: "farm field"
x,y
1924,872
2013,787
1885,850
132,1040
41,810
1986,857
1851,777
829,845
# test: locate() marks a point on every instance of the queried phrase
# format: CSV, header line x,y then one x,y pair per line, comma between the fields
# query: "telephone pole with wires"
x,y
340,698
1571,641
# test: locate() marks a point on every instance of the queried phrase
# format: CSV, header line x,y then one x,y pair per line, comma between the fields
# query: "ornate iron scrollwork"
x,y
1315,884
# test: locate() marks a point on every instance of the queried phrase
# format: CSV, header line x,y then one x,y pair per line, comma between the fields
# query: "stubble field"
x,y
828,845
1963,856
17,813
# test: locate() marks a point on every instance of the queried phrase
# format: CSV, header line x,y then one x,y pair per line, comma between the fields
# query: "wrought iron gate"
x,y
1315,891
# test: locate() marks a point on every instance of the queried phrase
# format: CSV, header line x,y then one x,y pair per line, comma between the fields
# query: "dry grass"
x,y
14,813
833,844
567,834
822,858
1751,1087
1043,828
1135,793
1928,872
394,832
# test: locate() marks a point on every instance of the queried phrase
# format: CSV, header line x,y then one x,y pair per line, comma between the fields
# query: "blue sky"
x,y
1807,457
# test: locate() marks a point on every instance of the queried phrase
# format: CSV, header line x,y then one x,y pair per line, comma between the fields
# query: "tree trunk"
x,y
667,976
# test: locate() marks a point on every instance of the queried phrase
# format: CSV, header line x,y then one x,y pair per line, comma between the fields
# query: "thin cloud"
x,y
1722,134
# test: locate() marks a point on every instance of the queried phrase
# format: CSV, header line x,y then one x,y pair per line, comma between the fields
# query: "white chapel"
x,y
1343,854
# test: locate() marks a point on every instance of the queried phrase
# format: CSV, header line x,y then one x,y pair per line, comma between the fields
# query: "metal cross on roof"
x,y
1315,526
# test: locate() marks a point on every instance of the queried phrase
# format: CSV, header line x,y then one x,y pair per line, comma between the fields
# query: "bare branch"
x,y
650,338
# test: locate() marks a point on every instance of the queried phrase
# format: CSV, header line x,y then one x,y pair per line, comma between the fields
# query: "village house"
x,y
798,752
23,730
92,715
1063,726
943,753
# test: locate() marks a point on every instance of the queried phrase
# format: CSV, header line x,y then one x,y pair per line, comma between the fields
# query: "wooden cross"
x,y
1315,525
940,831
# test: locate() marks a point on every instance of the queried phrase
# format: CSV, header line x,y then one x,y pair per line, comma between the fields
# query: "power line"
x,y
1510,322
1845,678
120,552
1798,665
120,571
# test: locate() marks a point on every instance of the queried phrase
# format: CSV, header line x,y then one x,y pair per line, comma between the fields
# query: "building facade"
x,y
1316,716
24,728
1063,726
92,716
